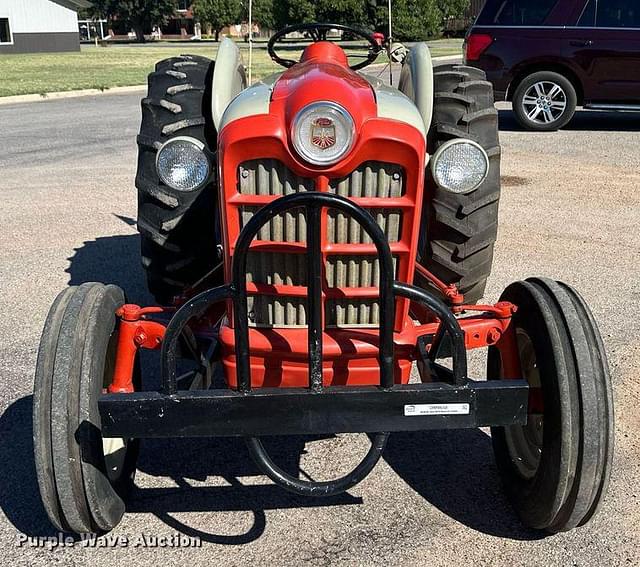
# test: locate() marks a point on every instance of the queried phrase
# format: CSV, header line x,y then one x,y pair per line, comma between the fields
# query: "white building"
x,y
29,26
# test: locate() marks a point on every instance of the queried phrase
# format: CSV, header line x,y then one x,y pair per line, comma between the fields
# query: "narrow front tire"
x,y
555,469
83,477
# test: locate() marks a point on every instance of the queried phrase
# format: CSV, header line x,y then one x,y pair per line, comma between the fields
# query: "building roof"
x,y
73,4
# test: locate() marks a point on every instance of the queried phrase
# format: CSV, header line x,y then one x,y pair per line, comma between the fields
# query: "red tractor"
x,y
318,242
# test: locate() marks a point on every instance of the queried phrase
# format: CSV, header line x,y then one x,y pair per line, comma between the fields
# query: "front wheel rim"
x,y
525,442
544,102
114,450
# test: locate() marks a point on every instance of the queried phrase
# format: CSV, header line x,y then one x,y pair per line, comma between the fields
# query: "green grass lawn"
x,y
115,66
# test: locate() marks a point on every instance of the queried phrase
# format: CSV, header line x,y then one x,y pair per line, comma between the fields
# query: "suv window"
x,y
515,12
611,14
588,17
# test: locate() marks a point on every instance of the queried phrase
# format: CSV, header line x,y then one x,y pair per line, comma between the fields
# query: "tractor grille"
x,y
288,227
271,311
342,229
275,268
270,177
371,179
352,312
353,271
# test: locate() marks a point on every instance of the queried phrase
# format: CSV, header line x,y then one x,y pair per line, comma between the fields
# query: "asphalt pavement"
x,y
570,210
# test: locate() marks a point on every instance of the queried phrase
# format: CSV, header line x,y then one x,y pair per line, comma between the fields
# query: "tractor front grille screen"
x,y
275,268
280,311
371,179
353,271
288,227
270,177
359,267
352,312
342,229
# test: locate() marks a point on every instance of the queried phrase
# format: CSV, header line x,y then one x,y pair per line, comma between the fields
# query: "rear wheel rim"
x,y
524,442
544,102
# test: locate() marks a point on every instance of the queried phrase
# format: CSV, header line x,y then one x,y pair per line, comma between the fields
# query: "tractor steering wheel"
x,y
318,32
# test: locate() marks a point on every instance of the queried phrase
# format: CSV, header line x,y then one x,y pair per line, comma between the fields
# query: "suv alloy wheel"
x,y
544,101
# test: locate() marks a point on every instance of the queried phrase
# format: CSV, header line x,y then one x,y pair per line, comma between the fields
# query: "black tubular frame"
x,y
313,203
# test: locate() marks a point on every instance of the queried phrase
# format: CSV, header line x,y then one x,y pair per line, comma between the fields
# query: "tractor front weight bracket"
x,y
450,400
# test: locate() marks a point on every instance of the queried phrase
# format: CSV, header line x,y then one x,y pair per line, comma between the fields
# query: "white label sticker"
x,y
436,409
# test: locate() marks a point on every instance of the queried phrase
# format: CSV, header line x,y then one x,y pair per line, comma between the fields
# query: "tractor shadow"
x,y
20,497
195,461
583,120
111,260
453,470
183,461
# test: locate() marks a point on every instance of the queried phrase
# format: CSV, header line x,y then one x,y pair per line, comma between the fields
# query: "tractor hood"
x,y
323,75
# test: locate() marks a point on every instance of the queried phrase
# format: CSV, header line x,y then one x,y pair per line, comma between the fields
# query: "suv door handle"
x,y
581,43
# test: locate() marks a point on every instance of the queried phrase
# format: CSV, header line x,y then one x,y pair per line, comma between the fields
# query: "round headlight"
x,y
323,133
182,163
460,166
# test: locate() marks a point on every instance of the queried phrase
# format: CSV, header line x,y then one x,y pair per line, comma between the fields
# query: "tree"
x,y
141,15
453,8
347,12
218,13
290,12
262,13
411,20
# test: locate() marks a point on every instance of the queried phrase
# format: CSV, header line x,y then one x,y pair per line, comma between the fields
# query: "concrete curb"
x,y
449,58
69,94
120,90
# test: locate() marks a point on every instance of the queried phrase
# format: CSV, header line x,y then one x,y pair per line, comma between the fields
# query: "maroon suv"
x,y
549,56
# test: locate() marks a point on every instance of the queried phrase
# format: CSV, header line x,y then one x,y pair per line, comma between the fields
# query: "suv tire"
x,y
544,101
177,228
459,230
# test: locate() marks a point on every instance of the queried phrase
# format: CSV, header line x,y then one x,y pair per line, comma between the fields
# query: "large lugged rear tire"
x,y
460,230
177,228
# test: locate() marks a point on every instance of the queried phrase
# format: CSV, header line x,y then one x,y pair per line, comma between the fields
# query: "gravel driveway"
x,y
570,210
